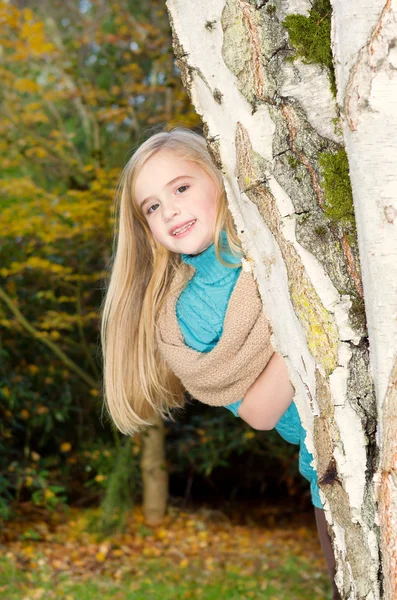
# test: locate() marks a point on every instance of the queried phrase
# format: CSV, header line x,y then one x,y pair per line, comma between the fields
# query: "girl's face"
x,y
178,199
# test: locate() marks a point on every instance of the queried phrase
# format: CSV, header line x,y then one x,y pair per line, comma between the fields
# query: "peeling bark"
x,y
366,74
269,119
388,490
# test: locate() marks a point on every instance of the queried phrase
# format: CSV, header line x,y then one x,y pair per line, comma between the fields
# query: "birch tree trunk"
x,y
365,51
274,128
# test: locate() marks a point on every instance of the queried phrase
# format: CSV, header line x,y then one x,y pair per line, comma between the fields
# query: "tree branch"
x,y
50,344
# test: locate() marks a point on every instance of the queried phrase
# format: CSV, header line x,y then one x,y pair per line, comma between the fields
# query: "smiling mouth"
x,y
183,229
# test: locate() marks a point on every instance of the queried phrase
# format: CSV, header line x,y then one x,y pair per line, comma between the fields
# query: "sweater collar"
x,y
207,267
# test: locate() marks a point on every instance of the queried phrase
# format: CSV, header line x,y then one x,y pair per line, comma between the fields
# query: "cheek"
x,y
210,203
212,207
151,226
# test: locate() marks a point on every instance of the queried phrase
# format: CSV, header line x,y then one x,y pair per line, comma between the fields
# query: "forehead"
x,y
160,169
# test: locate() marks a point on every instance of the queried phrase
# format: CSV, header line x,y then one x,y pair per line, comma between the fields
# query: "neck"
x,y
206,264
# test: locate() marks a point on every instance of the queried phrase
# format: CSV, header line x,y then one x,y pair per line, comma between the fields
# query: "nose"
x,y
170,210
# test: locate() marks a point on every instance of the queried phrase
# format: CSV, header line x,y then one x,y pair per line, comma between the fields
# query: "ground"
x,y
261,554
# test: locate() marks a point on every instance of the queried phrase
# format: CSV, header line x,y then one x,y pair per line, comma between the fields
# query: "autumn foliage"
x,y
80,88
82,83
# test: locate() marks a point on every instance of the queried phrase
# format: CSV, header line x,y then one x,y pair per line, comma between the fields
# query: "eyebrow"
x,y
167,185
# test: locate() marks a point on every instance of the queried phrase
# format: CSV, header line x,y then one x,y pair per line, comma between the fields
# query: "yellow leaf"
x,y
26,86
249,435
65,447
184,563
6,392
162,533
37,150
100,478
35,455
28,14
33,369
94,392
100,557
33,106
24,414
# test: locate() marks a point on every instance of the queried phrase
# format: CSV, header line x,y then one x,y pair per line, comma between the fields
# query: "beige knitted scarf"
x,y
224,374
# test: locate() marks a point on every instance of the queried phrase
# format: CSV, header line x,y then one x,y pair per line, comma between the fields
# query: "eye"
x,y
183,188
149,209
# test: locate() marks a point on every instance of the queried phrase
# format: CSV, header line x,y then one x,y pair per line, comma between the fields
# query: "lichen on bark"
x,y
253,38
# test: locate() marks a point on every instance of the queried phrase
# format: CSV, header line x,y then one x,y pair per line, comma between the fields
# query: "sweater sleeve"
x,y
234,407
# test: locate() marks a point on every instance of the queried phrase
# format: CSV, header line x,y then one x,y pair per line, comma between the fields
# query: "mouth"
x,y
180,231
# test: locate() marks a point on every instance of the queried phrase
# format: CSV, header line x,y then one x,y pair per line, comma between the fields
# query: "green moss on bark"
x,y
357,311
311,36
293,162
337,187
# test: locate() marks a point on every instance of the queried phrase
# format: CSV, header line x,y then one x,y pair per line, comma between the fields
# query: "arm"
x,y
268,397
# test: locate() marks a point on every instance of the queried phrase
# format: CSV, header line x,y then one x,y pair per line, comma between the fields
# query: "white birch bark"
x,y
365,54
267,120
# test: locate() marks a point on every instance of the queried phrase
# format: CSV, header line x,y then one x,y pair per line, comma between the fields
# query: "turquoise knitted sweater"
x,y
201,309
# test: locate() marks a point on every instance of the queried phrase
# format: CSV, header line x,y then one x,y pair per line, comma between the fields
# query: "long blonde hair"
x,y
137,383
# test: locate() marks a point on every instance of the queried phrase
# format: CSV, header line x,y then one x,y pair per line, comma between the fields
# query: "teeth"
x,y
180,229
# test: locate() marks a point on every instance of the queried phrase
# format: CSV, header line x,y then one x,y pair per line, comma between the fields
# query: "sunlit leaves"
x,y
78,88
26,85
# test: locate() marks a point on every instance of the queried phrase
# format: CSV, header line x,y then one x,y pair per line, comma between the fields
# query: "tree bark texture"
x,y
365,56
274,128
154,474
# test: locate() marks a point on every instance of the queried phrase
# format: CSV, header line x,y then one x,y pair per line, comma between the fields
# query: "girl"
x,y
182,314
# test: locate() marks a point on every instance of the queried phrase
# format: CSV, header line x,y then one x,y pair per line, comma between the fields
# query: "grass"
x,y
197,554
157,579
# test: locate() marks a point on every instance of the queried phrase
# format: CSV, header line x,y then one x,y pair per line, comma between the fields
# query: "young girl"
x,y
182,314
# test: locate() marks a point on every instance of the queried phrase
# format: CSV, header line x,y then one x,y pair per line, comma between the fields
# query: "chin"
x,y
195,248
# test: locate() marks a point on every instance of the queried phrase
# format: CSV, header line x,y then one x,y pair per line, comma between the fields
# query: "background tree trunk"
x,y
260,75
154,474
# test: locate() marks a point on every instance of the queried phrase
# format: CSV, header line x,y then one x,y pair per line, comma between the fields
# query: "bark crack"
x,y
351,265
302,158
259,81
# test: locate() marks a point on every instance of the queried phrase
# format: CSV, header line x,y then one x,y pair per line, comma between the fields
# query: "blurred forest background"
x,y
82,84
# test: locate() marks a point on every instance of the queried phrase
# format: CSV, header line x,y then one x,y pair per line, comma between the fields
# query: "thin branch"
x,y
50,344
47,145
81,331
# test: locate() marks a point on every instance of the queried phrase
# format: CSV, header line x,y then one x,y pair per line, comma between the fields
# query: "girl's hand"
x,y
269,396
